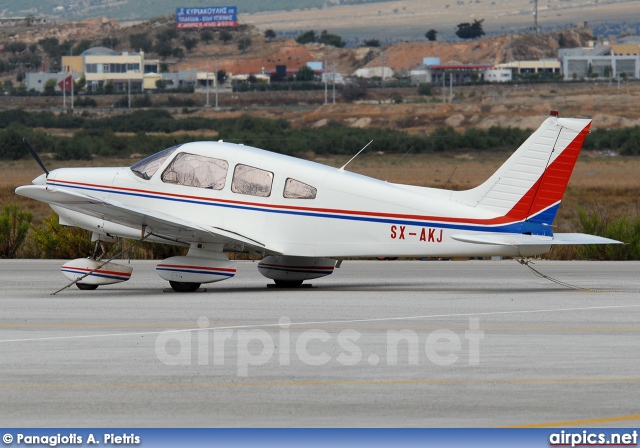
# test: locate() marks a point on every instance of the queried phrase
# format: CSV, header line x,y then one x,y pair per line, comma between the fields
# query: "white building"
x,y
102,65
601,61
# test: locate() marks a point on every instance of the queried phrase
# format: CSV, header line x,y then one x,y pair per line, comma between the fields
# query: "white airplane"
x,y
301,216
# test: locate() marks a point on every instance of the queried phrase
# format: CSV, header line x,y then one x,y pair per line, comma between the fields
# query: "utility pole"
x,y
333,75
129,91
207,81
535,16
244,51
450,87
326,80
444,87
216,81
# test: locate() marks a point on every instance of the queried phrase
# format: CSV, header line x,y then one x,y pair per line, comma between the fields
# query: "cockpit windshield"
x,y
147,167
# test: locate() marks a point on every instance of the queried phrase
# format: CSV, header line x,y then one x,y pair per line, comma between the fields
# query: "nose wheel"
x,y
288,283
184,286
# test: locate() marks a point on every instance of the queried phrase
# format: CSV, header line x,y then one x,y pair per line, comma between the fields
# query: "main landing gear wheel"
x,y
184,286
288,283
85,287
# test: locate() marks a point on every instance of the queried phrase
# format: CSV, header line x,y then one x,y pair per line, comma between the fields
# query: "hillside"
x,y
355,20
265,54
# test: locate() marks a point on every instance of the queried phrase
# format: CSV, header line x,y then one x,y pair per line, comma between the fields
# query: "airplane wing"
x,y
160,224
516,239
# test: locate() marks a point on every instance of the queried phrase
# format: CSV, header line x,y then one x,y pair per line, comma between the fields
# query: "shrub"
x,y
14,226
424,88
52,240
354,90
621,228
85,102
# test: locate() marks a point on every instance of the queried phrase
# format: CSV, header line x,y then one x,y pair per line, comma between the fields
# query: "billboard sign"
x,y
212,16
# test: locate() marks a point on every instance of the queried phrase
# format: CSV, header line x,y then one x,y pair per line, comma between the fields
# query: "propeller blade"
x,y
35,156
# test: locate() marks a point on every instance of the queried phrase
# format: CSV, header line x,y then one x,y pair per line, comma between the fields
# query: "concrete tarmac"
x,y
378,343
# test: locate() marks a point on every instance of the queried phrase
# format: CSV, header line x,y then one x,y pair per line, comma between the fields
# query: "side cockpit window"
x,y
196,171
251,181
147,167
294,189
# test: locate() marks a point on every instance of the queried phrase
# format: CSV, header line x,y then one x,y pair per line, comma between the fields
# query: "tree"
x,y
225,36
354,90
80,84
83,45
244,43
190,43
50,86
305,73
110,42
140,42
470,30
177,53
54,48
168,35
15,47
161,84
206,36
270,34
109,88
331,39
371,43
306,37
163,48
431,35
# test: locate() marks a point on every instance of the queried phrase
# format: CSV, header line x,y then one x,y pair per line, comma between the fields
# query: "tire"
x,y
288,283
184,286
86,287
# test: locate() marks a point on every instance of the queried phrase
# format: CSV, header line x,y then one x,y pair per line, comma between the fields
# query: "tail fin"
x,y
531,183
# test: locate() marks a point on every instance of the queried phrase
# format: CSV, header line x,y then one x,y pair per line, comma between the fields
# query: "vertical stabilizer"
x,y
530,184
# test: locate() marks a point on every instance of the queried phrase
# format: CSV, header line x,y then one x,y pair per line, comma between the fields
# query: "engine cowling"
x,y
288,268
108,274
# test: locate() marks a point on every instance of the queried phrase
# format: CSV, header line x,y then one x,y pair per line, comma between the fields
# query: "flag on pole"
x,y
66,84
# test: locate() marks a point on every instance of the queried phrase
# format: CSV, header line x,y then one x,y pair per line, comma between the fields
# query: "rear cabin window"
x,y
294,189
251,181
196,171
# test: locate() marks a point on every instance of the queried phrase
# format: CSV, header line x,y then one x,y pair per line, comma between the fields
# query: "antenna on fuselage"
x,y
447,183
403,155
350,160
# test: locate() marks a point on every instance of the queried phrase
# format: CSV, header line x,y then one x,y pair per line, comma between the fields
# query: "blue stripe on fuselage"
x,y
516,227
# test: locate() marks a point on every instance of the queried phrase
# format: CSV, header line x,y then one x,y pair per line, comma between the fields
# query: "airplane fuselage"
x,y
350,216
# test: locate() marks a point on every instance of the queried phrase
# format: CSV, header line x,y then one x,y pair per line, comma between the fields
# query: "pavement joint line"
x,y
330,383
345,321
327,326
590,421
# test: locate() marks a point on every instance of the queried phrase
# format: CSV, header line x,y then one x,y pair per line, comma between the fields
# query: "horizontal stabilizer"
x,y
516,239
